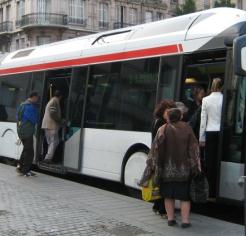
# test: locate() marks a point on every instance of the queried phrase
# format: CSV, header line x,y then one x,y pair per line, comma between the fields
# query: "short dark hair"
x,y
58,93
174,115
33,94
162,106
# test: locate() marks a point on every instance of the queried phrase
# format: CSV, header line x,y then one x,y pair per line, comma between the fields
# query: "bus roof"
x,y
180,34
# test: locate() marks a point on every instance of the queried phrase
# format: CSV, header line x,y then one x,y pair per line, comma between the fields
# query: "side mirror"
x,y
239,55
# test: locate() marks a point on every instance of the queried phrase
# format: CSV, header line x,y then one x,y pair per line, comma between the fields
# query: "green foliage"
x,y
223,3
188,7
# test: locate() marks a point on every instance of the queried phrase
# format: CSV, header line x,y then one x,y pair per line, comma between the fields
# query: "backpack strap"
x,y
20,114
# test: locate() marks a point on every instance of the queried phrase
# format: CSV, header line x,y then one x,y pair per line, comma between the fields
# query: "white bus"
x,y
111,82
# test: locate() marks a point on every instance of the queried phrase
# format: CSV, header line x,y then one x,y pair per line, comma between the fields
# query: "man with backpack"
x,y
27,116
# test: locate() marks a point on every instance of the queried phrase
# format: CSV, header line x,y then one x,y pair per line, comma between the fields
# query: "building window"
x,y
8,8
148,16
77,11
159,16
133,16
206,4
43,6
17,44
43,40
118,13
103,15
20,9
1,15
22,43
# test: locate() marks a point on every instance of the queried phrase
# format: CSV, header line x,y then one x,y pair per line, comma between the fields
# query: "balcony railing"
x,y
6,26
76,21
118,25
44,19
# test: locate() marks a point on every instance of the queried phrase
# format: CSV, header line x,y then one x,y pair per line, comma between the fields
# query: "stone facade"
x,y
27,23
206,4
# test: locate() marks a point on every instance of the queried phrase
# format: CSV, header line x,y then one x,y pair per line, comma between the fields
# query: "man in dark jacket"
x,y
27,116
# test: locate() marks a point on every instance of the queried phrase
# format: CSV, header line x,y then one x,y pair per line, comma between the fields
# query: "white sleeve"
x,y
203,123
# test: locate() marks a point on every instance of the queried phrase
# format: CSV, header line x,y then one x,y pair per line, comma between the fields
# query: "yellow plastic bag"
x,y
150,193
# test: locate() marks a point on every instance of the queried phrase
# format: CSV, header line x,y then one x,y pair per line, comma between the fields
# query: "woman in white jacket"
x,y
209,131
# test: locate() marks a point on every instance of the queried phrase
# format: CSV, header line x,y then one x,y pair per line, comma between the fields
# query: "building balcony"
x,y
6,27
77,21
43,20
118,25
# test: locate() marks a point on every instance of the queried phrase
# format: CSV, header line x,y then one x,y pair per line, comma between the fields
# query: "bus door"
x,y
232,143
75,113
54,80
38,86
199,72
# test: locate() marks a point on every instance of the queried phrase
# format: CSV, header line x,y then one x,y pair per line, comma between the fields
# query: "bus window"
x,y
122,96
103,97
77,93
138,95
14,89
199,77
234,120
168,76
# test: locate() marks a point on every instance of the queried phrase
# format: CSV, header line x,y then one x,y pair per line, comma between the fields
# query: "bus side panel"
x,y
9,145
229,187
104,151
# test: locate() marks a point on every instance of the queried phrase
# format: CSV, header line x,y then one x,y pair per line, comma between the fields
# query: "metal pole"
x,y
121,16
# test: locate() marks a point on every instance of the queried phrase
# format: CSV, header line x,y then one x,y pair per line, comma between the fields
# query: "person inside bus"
x,y
209,131
184,110
195,102
51,124
3,113
194,113
175,165
27,118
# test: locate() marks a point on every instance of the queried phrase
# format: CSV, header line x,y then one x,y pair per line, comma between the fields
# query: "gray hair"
x,y
181,106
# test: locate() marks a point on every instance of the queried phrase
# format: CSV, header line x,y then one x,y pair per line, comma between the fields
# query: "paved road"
x,y
45,205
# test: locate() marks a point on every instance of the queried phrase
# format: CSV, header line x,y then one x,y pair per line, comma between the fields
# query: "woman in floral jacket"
x,y
177,156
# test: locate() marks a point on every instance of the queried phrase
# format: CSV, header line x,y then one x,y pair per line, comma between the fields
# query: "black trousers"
x,y
27,155
211,160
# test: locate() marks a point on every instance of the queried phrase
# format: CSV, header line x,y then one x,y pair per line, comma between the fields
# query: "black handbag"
x,y
199,188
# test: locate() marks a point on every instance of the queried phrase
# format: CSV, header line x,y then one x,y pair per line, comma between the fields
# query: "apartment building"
x,y
27,23
206,4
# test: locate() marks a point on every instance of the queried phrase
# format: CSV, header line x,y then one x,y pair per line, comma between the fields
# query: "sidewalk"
x,y
46,205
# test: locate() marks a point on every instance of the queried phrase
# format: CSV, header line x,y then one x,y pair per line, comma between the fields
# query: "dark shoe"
x,y
186,225
154,210
29,174
171,222
164,216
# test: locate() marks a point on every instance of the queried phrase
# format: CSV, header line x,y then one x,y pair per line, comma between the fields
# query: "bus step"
x,y
55,168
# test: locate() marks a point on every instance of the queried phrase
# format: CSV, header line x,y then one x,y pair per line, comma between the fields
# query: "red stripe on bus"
x,y
96,59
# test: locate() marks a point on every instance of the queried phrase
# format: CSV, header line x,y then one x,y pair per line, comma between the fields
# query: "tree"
x,y
224,3
188,7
